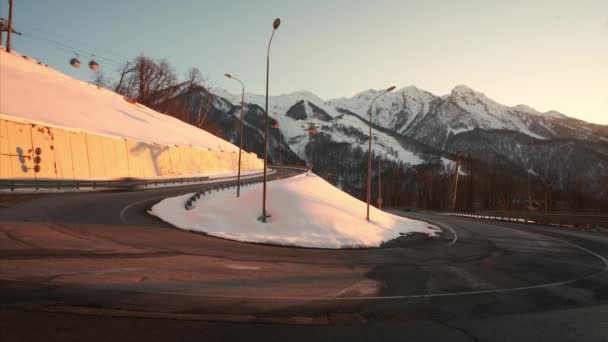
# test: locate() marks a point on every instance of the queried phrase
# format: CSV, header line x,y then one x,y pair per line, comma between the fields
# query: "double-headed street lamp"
x,y
238,181
369,158
275,26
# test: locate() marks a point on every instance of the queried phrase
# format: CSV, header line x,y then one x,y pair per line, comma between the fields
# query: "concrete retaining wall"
x,y
73,155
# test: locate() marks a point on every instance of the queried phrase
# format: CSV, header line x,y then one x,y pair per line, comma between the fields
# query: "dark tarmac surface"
x,y
97,267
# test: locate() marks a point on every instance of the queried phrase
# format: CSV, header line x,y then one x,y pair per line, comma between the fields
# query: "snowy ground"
x,y
34,93
306,211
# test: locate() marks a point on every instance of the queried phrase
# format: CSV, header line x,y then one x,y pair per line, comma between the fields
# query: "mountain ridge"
x,y
413,127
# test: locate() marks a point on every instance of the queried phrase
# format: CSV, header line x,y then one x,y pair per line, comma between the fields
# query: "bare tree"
x,y
150,83
194,78
207,97
163,84
121,86
100,79
155,85
145,68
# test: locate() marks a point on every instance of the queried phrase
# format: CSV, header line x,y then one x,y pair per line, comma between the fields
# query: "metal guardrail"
x,y
124,183
247,181
576,220
191,202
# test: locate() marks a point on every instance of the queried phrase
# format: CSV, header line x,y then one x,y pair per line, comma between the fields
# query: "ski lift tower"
x,y
4,28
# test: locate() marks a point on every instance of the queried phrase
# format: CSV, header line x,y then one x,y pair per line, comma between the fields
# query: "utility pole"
x,y
238,181
10,25
281,160
456,183
471,193
369,151
379,186
529,194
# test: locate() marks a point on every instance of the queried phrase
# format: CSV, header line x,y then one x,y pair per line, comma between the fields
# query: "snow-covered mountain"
x,y
432,119
412,126
418,114
296,112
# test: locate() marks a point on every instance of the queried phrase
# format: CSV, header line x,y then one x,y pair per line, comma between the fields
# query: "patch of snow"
x,y
305,211
526,109
455,131
295,130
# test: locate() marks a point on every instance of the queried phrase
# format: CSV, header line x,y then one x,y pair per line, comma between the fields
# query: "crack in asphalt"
x,y
461,330
11,236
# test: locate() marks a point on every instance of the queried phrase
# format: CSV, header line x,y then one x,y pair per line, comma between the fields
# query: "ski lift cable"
x,y
71,49
76,51
63,37
83,51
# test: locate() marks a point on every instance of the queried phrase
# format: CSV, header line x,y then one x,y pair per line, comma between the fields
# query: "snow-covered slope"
x,y
298,111
432,119
396,110
490,114
33,92
305,211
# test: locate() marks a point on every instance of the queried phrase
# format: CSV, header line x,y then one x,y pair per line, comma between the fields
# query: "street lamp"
x,y
369,157
275,26
238,181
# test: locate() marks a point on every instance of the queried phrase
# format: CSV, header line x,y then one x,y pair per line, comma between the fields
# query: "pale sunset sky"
x,y
550,55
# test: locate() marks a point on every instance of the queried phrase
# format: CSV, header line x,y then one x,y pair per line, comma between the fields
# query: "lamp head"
x,y
228,75
276,23
390,89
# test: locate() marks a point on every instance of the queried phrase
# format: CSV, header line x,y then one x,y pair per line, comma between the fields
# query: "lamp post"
x,y
238,179
369,156
275,26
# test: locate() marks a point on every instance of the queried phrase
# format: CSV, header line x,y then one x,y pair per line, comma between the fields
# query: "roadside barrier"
x,y
31,151
60,184
250,180
576,220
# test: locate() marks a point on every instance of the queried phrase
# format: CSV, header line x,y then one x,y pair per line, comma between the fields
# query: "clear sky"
x,y
546,54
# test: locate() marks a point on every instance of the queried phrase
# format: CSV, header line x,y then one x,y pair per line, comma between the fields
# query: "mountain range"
x,y
411,127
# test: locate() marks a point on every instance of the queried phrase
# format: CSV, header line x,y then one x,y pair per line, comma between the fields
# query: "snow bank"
x,y
306,211
39,94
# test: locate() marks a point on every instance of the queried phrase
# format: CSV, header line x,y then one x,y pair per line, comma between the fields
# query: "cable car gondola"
x,y
274,123
93,65
75,62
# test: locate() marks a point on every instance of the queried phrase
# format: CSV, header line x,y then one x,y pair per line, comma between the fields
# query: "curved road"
x,y
97,266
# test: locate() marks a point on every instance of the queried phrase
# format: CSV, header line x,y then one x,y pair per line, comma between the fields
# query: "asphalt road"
x,y
97,267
